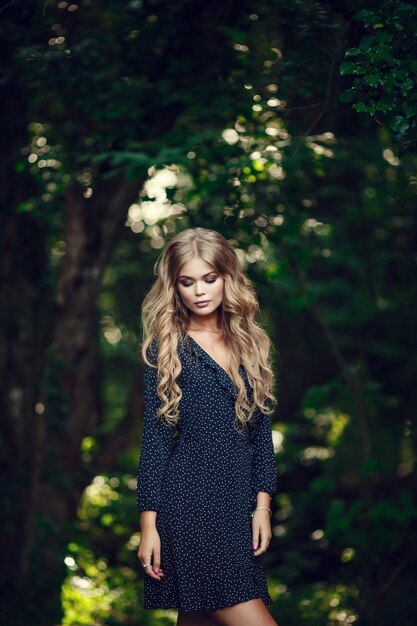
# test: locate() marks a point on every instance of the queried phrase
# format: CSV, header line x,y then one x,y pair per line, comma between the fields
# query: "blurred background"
x,y
290,127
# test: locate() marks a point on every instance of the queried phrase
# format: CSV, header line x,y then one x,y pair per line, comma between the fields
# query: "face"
x,y
197,282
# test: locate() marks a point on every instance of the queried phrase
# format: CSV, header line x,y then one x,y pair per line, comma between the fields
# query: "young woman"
x,y
207,469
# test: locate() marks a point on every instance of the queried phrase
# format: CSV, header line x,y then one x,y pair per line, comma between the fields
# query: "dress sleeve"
x,y
264,470
157,442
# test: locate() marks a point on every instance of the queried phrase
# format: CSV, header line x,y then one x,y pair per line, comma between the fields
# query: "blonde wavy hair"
x,y
166,319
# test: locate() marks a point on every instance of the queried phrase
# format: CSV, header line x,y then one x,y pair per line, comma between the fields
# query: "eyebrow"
x,y
191,278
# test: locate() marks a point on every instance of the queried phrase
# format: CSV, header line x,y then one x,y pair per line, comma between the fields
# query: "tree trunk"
x,y
50,338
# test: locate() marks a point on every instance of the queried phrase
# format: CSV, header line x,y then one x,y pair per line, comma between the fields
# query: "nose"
x,y
199,289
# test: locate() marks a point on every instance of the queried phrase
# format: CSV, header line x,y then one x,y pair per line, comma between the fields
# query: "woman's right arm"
x,y
157,441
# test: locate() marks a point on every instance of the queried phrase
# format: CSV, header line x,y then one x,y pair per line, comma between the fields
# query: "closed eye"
x,y
208,280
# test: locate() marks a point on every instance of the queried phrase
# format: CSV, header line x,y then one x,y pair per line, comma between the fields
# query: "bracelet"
x,y
262,507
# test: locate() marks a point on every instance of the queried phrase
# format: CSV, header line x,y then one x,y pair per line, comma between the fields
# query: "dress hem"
x,y
267,602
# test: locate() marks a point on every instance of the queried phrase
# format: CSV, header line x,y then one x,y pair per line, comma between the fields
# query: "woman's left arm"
x,y
264,470
264,481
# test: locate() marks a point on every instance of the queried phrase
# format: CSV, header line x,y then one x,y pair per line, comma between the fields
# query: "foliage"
x,y
384,68
230,121
104,582
322,253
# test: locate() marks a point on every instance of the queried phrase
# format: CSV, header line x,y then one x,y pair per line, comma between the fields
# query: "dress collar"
x,y
222,376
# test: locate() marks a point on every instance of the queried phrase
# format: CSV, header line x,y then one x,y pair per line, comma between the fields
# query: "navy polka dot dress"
x,y
203,485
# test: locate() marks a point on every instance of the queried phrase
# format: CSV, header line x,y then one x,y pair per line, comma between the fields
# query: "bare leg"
x,y
251,613
201,618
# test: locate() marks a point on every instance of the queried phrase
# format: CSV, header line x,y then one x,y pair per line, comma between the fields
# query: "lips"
x,y
203,302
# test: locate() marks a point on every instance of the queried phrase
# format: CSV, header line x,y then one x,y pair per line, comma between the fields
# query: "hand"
x,y
261,531
149,551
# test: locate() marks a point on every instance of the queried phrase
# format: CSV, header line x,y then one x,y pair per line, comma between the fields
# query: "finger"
x,y
156,560
259,549
255,536
152,574
149,570
144,558
263,545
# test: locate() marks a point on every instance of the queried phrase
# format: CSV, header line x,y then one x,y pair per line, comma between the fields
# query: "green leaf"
x,y
410,109
384,106
351,52
399,124
366,16
361,107
348,95
347,67
366,44
373,80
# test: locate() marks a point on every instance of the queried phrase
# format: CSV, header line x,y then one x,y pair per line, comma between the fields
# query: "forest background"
x,y
290,127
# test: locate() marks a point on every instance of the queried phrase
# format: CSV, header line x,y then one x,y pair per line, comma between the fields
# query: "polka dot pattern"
x,y
203,485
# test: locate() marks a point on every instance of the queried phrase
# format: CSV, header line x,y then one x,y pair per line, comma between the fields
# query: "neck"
x,y
208,323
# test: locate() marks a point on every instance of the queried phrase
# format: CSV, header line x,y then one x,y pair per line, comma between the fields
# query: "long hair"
x,y
166,319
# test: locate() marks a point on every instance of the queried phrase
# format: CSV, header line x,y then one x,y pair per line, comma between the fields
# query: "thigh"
x,y
250,613
200,618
